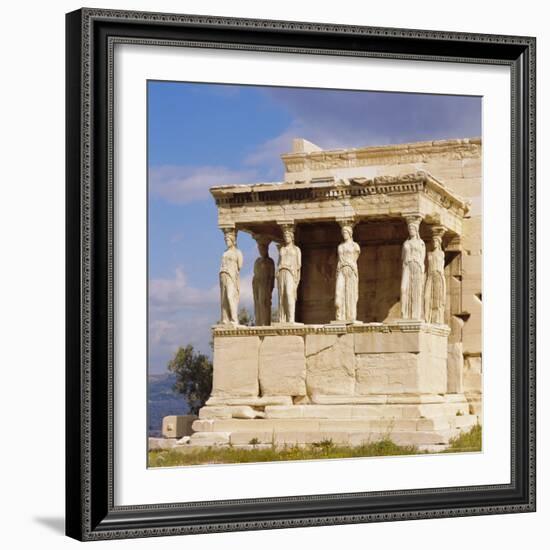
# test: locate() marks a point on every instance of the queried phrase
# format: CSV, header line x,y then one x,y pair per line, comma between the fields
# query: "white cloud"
x,y
181,314
170,295
184,184
268,154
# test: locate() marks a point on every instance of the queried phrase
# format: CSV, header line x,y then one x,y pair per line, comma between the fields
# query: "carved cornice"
x,y
368,156
302,330
331,189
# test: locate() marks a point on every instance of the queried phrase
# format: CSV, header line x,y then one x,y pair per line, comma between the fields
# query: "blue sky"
x,y
200,135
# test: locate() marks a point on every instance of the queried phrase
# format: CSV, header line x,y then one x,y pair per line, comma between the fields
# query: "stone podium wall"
x,y
346,361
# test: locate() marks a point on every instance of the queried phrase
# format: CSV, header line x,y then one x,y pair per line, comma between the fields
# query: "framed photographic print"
x,y
300,274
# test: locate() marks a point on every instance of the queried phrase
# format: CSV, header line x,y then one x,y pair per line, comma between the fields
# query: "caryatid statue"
x,y
232,261
435,292
347,276
288,275
412,278
262,284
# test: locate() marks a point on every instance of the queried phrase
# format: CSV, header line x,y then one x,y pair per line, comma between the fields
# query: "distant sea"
x,y
163,401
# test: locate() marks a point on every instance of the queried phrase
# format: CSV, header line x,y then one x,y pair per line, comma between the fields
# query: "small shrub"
x,y
324,445
254,441
467,441
459,413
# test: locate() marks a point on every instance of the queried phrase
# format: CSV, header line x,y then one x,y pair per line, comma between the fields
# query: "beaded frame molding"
x,y
90,40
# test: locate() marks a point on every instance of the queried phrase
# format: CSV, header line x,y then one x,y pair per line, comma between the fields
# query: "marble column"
x,y
232,261
347,275
435,291
413,271
263,282
289,269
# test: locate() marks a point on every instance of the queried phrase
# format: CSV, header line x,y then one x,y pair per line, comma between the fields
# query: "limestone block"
x,y
456,329
472,267
473,375
400,341
235,366
455,368
258,424
184,440
476,206
282,368
471,331
387,342
472,168
309,411
472,235
378,411
473,364
177,426
388,425
387,373
315,343
208,412
330,363
235,411
207,439
349,399
468,187
437,423
203,425
444,169
160,443
276,411
251,401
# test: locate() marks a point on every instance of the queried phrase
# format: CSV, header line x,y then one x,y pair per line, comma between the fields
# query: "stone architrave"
x,y
435,292
288,275
347,276
412,277
262,284
232,261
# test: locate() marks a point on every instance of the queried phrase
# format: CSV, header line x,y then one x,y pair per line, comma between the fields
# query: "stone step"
x,y
408,410
261,439
387,425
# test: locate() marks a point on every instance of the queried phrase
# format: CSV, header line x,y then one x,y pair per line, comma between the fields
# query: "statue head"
x,y
263,247
437,242
230,237
288,235
414,229
347,232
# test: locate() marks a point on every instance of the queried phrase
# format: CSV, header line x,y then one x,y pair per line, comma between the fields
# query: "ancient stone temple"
x,y
369,318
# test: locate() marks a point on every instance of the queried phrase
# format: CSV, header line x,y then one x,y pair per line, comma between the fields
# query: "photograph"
x,y
314,273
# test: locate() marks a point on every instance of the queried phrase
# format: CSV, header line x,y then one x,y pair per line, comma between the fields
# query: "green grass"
x,y
467,442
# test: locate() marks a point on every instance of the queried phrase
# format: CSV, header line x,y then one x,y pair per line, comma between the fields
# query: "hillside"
x,y
162,401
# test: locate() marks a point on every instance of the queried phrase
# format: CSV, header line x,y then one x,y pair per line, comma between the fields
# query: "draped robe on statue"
x,y
347,282
412,279
436,292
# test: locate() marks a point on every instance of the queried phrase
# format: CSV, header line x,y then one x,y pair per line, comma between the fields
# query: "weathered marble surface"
x,y
232,261
262,284
346,293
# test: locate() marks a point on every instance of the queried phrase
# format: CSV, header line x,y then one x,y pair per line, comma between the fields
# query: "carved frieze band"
x,y
300,330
